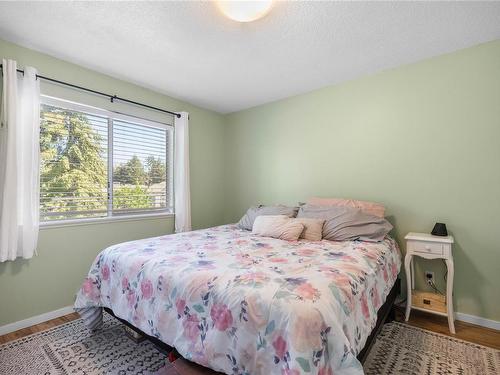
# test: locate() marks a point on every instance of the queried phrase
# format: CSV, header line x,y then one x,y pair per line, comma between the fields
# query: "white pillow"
x,y
277,226
313,228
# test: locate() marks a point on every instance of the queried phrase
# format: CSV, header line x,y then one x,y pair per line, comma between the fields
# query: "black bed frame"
x,y
385,314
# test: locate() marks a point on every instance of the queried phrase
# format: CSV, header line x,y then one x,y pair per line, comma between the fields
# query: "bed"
x,y
243,304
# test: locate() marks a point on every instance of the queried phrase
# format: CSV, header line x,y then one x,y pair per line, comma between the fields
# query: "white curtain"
x,y
19,162
182,194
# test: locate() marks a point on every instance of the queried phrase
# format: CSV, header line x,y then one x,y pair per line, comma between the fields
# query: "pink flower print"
x,y
124,283
210,247
221,316
131,298
347,258
257,312
376,302
88,287
307,291
372,256
105,272
364,306
146,289
305,330
306,252
325,371
190,326
278,260
394,270
279,345
136,267
289,371
138,316
180,305
243,259
353,268
341,280
386,276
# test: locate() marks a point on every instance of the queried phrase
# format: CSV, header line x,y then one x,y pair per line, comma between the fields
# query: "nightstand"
x,y
429,247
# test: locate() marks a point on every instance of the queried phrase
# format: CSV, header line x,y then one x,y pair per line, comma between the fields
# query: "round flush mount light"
x,y
243,10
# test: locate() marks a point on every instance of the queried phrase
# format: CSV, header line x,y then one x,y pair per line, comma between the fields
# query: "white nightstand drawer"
x,y
426,247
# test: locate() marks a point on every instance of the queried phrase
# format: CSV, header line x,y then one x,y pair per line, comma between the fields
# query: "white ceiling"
x,y
190,51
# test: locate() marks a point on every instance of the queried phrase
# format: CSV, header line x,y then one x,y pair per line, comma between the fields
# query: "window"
x,y
96,163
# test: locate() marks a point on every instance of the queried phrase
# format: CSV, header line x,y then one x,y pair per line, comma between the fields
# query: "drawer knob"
x,y
427,247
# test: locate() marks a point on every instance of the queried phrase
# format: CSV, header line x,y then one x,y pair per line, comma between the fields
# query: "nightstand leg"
x,y
408,259
449,295
412,275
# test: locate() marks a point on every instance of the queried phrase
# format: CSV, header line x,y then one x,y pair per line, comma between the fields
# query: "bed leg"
x,y
392,315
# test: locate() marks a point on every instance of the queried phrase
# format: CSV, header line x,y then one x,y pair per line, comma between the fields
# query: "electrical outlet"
x,y
429,277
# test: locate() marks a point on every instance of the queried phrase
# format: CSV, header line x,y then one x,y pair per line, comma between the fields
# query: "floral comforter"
x,y
243,304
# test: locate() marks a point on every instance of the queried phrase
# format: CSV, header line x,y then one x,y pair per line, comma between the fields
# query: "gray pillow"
x,y
246,222
347,223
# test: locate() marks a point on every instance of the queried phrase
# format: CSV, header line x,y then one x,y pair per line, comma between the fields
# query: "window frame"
x,y
111,116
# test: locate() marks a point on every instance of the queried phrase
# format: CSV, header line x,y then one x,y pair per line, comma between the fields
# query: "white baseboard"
x,y
477,320
11,327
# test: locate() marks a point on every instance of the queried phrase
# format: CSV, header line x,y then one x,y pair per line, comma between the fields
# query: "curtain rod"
x,y
112,98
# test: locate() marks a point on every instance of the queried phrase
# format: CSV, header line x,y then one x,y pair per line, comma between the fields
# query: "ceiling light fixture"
x,y
245,11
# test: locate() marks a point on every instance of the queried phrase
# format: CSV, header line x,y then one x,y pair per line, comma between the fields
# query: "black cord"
x,y
433,286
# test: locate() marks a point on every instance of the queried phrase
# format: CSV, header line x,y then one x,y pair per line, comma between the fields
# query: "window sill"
x,y
103,220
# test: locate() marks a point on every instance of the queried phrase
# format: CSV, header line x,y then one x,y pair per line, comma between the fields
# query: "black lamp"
x,y
439,230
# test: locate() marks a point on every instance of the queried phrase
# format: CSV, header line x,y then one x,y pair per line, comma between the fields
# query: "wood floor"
x,y
38,328
464,331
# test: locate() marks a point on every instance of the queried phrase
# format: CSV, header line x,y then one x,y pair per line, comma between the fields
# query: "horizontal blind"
x,y
140,168
73,160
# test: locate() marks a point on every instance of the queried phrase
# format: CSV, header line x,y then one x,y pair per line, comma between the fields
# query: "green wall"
x,y
423,139
50,281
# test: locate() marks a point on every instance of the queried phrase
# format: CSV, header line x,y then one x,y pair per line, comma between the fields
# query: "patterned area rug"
x,y
402,349
72,349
